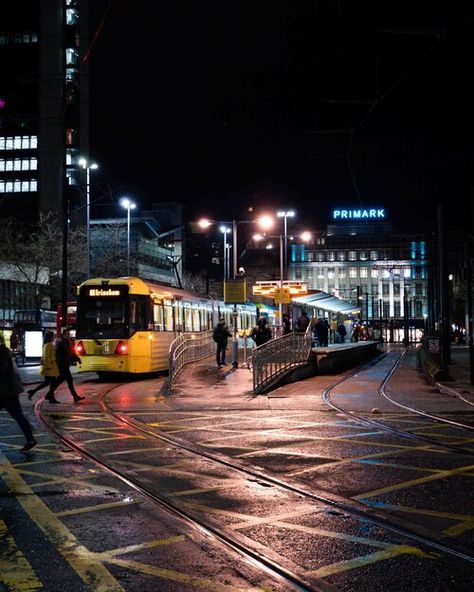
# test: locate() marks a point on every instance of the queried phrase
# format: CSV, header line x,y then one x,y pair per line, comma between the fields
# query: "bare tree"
x,y
33,256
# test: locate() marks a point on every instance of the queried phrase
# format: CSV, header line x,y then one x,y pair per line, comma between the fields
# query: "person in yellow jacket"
x,y
49,369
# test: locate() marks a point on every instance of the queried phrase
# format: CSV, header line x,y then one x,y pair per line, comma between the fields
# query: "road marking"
x,y
414,482
15,571
96,508
180,538
91,571
358,562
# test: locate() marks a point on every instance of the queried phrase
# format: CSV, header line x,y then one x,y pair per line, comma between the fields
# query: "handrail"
x,y
187,348
275,358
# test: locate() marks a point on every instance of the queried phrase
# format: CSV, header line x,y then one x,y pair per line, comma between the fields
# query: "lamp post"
x,y
264,222
305,236
285,214
128,204
88,167
225,230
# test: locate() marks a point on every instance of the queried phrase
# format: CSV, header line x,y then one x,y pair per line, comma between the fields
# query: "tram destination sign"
x,y
360,214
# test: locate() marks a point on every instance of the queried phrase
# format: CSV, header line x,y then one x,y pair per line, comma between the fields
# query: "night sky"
x,y
308,104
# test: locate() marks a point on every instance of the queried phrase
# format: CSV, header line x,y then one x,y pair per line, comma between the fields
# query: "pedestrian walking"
x,y
220,335
49,369
10,388
262,332
65,357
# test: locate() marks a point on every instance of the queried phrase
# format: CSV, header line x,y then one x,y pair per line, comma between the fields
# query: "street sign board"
x,y
268,288
235,291
282,295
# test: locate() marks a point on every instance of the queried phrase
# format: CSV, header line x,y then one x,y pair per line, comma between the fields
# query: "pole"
x,y
88,221
443,291
285,267
469,308
64,277
128,241
225,255
280,309
235,342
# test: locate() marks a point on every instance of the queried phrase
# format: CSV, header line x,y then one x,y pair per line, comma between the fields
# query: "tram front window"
x,y
102,318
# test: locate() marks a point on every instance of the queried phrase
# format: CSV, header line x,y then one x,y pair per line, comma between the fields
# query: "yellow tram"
x,y
127,324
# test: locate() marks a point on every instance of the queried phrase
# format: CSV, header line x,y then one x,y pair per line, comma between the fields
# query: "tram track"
x,y
334,501
260,561
326,396
346,506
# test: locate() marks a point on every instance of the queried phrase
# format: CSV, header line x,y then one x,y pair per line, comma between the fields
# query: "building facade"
x,y
364,261
44,106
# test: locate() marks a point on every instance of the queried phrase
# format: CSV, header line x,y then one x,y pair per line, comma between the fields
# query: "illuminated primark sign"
x,y
373,214
102,292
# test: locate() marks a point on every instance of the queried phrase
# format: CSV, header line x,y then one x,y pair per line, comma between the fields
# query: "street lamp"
x,y
88,167
225,230
265,222
285,214
305,236
128,204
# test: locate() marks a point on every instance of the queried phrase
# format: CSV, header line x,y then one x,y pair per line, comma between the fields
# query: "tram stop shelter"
x,y
321,303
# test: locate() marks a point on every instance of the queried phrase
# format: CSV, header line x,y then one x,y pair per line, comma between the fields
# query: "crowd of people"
x,y
323,331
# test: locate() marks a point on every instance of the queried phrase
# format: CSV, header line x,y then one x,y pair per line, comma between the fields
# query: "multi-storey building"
x,y
43,117
363,260
43,104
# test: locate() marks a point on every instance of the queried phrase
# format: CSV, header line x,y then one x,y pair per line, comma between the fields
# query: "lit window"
x,y
9,187
374,255
33,185
17,142
2,186
385,273
374,273
17,164
331,256
352,272
33,142
341,256
68,158
33,164
25,142
320,256
406,272
363,272
9,143
352,255
72,16
16,186
363,256
9,165
25,186
331,274
342,273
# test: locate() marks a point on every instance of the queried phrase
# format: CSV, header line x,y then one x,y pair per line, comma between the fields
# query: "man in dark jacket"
x,y
262,332
10,388
220,335
302,322
65,358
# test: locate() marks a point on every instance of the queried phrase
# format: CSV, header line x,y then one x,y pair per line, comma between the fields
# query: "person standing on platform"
x,y
286,324
10,388
262,332
342,332
302,322
65,357
220,335
49,369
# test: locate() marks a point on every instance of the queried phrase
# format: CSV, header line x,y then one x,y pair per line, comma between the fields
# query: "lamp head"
x,y
204,223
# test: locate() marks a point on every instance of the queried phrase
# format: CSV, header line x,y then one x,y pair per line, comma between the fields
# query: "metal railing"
x,y
275,358
187,348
